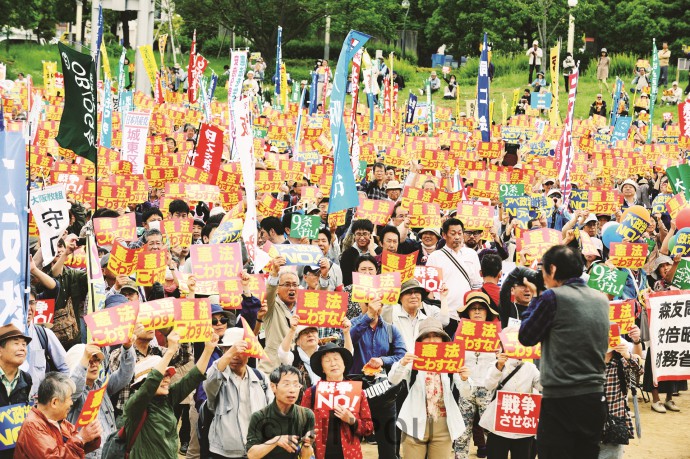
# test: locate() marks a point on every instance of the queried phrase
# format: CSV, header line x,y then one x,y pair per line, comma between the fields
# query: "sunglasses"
x,y
222,321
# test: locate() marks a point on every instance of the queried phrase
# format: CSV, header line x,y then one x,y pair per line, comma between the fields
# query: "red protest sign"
x,y
514,349
602,201
404,264
178,231
270,206
123,260
631,255
425,215
412,194
517,413
230,290
113,325
623,313
614,335
45,309
476,216
209,149
151,266
157,314
255,349
676,204
429,277
366,287
92,406
532,244
108,229
193,320
76,259
478,336
376,210
216,262
330,394
321,308
491,150
439,357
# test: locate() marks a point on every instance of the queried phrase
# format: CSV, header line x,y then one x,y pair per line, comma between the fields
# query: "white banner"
x,y
244,142
51,212
135,131
564,149
669,331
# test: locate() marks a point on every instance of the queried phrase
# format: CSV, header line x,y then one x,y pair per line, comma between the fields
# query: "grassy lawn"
x,y
509,76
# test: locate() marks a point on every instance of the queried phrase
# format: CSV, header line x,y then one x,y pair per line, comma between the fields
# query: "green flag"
x,y
684,171
78,123
681,278
674,180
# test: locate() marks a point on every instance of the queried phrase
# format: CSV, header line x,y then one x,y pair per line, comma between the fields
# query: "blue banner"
x,y
616,99
2,118
14,251
107,124
343,191
99,37
483,93
299,254
11,419
279,56
121,79
313,92
126,102
370,102
540,100
621,128
212,86
411,106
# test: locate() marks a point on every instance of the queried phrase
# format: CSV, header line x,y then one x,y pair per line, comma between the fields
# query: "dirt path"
x,y
664,436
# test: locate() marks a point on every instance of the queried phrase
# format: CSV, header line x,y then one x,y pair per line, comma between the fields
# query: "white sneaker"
x,y
658,407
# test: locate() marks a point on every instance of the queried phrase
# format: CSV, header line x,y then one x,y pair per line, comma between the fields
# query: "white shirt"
x,y
456,282
408,325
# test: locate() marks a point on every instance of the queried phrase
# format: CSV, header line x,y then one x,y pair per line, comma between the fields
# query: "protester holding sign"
x,y
46,432
573,408
362,230
348,413
155,399
85,361
365,264
430,417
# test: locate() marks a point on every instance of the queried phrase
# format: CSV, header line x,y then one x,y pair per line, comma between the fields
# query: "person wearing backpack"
x,y
234,391
510,375
430,418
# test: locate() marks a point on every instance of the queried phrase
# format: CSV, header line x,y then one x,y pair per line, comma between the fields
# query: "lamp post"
x,y
571,25
405,4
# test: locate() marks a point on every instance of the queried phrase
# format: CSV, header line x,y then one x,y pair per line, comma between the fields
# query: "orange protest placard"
x,y
330,394
478,336
157,314
425,215
404,264
514,349
602,201
491,150
193,320
76,259
623,313
321,308
151,266
123,260
337,219
366,287
178,231
108,229
254,349
614,335
448,201
376,210
414,194
439,357
476,216
113,325
230,290
269,181
92,406
631,255
532,244
216,262
676,204
270,206
484,189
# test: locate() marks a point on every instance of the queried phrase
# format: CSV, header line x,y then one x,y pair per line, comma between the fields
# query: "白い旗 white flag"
x,y
50,209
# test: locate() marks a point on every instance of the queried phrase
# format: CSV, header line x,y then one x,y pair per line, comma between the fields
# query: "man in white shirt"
x,y
460,265
534,54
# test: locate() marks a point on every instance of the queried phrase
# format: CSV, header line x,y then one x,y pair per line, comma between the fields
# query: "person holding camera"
x,y
568,313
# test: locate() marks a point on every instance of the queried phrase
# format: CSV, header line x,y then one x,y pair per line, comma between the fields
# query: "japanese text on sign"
x,y
439,357
478,336
321,308
517,413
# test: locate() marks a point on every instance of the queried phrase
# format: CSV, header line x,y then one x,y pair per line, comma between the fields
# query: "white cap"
x,y
629,182
231,336
590,218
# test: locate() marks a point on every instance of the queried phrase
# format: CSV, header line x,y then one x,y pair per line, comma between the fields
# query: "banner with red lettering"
x,y
321,308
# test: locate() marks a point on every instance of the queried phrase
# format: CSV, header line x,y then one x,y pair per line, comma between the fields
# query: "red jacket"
x,y
349,436
40,438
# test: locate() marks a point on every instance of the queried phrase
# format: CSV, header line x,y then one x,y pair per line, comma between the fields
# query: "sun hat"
x,y
10,331
231,336
217,309
315,361
431,325
302,328
75,353
410,285
475,296
144,366
394,185
433,231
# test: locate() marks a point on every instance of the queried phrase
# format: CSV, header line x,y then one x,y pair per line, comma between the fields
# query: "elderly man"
x,y
281,299
573,408
16,384
46,432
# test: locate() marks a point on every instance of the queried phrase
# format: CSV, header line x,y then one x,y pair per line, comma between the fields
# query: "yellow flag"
x,y
554,115
516,96
284,88
162,41
49,70
504,110
106,62
146,52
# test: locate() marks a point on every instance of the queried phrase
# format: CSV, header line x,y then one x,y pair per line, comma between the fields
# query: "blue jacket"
x,y
369,343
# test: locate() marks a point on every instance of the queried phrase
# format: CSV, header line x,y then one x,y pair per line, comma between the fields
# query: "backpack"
x,y
45,344
203,425
116,446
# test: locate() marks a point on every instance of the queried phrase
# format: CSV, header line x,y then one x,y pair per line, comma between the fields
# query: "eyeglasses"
x,y
287,385
364,234
222,321
290,285
474,233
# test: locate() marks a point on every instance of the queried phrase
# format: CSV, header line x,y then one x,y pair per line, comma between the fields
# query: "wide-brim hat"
x,y
316,357
303,328
663,259
75,353
409,285
431,325
144,367
476,296
394,185
10,331
629,182
433,231
540,73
